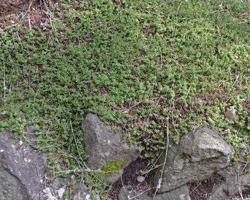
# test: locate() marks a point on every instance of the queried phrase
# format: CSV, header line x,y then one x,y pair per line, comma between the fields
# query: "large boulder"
x,y
181,193
199,154
234,179
22,169
23,173
103,147
127,193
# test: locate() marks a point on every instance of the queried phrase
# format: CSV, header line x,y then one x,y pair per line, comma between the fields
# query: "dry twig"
x,y
233,86
31,1
29,21
195,188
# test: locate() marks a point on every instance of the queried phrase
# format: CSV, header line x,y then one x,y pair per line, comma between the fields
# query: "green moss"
x,y
112,167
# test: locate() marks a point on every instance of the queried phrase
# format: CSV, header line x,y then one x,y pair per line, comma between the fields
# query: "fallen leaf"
x,y
218,48
217,29
231,115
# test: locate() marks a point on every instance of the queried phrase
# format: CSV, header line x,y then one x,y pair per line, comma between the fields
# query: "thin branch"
x,y
235,82
29,21
79,164
87,169
77,145
31,1
153,168
124,125
79,170
4,86
159,98
49,14
45,133
247,163
142,193
125,188
10,26
133,106
51,21
164,163
195,188
233,86
239,186
125,191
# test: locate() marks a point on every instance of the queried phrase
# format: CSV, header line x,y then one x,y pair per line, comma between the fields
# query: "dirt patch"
x,y
29,13
8,7
203,189
129,179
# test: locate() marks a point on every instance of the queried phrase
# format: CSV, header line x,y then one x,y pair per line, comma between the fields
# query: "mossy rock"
x,y
112,167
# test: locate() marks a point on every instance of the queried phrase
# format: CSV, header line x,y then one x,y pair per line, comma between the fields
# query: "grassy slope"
x,y
135,64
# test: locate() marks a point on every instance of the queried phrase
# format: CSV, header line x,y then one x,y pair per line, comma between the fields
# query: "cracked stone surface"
x,y
22,166
103,146
199,154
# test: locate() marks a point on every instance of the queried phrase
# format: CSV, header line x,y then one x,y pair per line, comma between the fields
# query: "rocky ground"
x,y
198,191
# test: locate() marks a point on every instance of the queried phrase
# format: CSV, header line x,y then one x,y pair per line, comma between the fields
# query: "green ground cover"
x,y
134,64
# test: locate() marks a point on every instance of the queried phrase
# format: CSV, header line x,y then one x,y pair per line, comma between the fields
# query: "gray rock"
x,y
219,192
200,153
22,167
140,179
84,196
181,193
10,187
56,191
235,178
114,177
127,193
102,146
22,174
